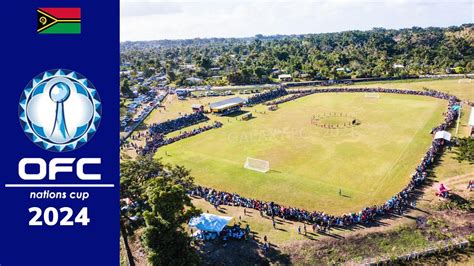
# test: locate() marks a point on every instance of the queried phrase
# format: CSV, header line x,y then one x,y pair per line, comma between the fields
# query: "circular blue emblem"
x,y
60,110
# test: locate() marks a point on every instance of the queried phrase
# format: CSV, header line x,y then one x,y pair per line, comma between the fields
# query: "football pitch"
x,y
309,164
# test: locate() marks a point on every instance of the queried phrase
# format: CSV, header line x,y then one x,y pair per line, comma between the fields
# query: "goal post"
x,y
257,165
372,95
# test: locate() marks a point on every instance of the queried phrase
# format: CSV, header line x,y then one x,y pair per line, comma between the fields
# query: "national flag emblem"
x,y
60,20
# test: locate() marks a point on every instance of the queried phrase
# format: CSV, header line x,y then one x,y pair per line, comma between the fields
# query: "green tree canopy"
x,y
125,88
164,235
165,207
372,53
465,150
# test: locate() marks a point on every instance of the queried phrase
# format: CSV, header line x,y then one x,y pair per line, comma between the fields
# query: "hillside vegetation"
x,y
375,53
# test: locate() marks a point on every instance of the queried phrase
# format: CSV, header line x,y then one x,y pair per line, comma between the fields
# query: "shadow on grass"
x,y
235,114
241,252
458,199
336,236
279,221
274,171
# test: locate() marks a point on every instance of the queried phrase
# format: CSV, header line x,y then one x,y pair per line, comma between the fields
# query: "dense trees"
x,y
465,150
125,88
159,204
375,53
164,235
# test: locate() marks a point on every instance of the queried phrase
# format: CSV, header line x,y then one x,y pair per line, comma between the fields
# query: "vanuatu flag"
x,y
61,20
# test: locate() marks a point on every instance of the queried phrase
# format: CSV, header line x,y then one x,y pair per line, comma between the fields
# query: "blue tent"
x,y
210,222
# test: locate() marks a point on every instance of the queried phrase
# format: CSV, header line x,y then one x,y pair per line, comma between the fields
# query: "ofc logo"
x,y
60,110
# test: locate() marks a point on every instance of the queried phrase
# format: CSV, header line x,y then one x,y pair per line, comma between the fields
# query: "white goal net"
x,y
372,95
257,165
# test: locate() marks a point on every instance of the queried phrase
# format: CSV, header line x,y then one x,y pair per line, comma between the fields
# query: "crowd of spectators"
x,y
205,236
156,140
178,123
426,92
287,99
266,96
229,232
395,205
126,144
235,232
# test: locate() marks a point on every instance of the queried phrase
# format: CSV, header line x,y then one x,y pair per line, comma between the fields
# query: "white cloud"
x,y
157,19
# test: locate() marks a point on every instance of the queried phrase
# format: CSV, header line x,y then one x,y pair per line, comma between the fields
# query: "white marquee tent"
x,y
443,135
210,222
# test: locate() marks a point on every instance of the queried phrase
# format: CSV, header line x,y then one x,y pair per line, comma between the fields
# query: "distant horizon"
x,y
154,20
294,34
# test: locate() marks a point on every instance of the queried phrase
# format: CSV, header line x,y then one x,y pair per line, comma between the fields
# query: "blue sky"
x,y
158,19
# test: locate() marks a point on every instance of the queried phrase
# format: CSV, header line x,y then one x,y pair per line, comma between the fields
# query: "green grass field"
x,y
370,162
